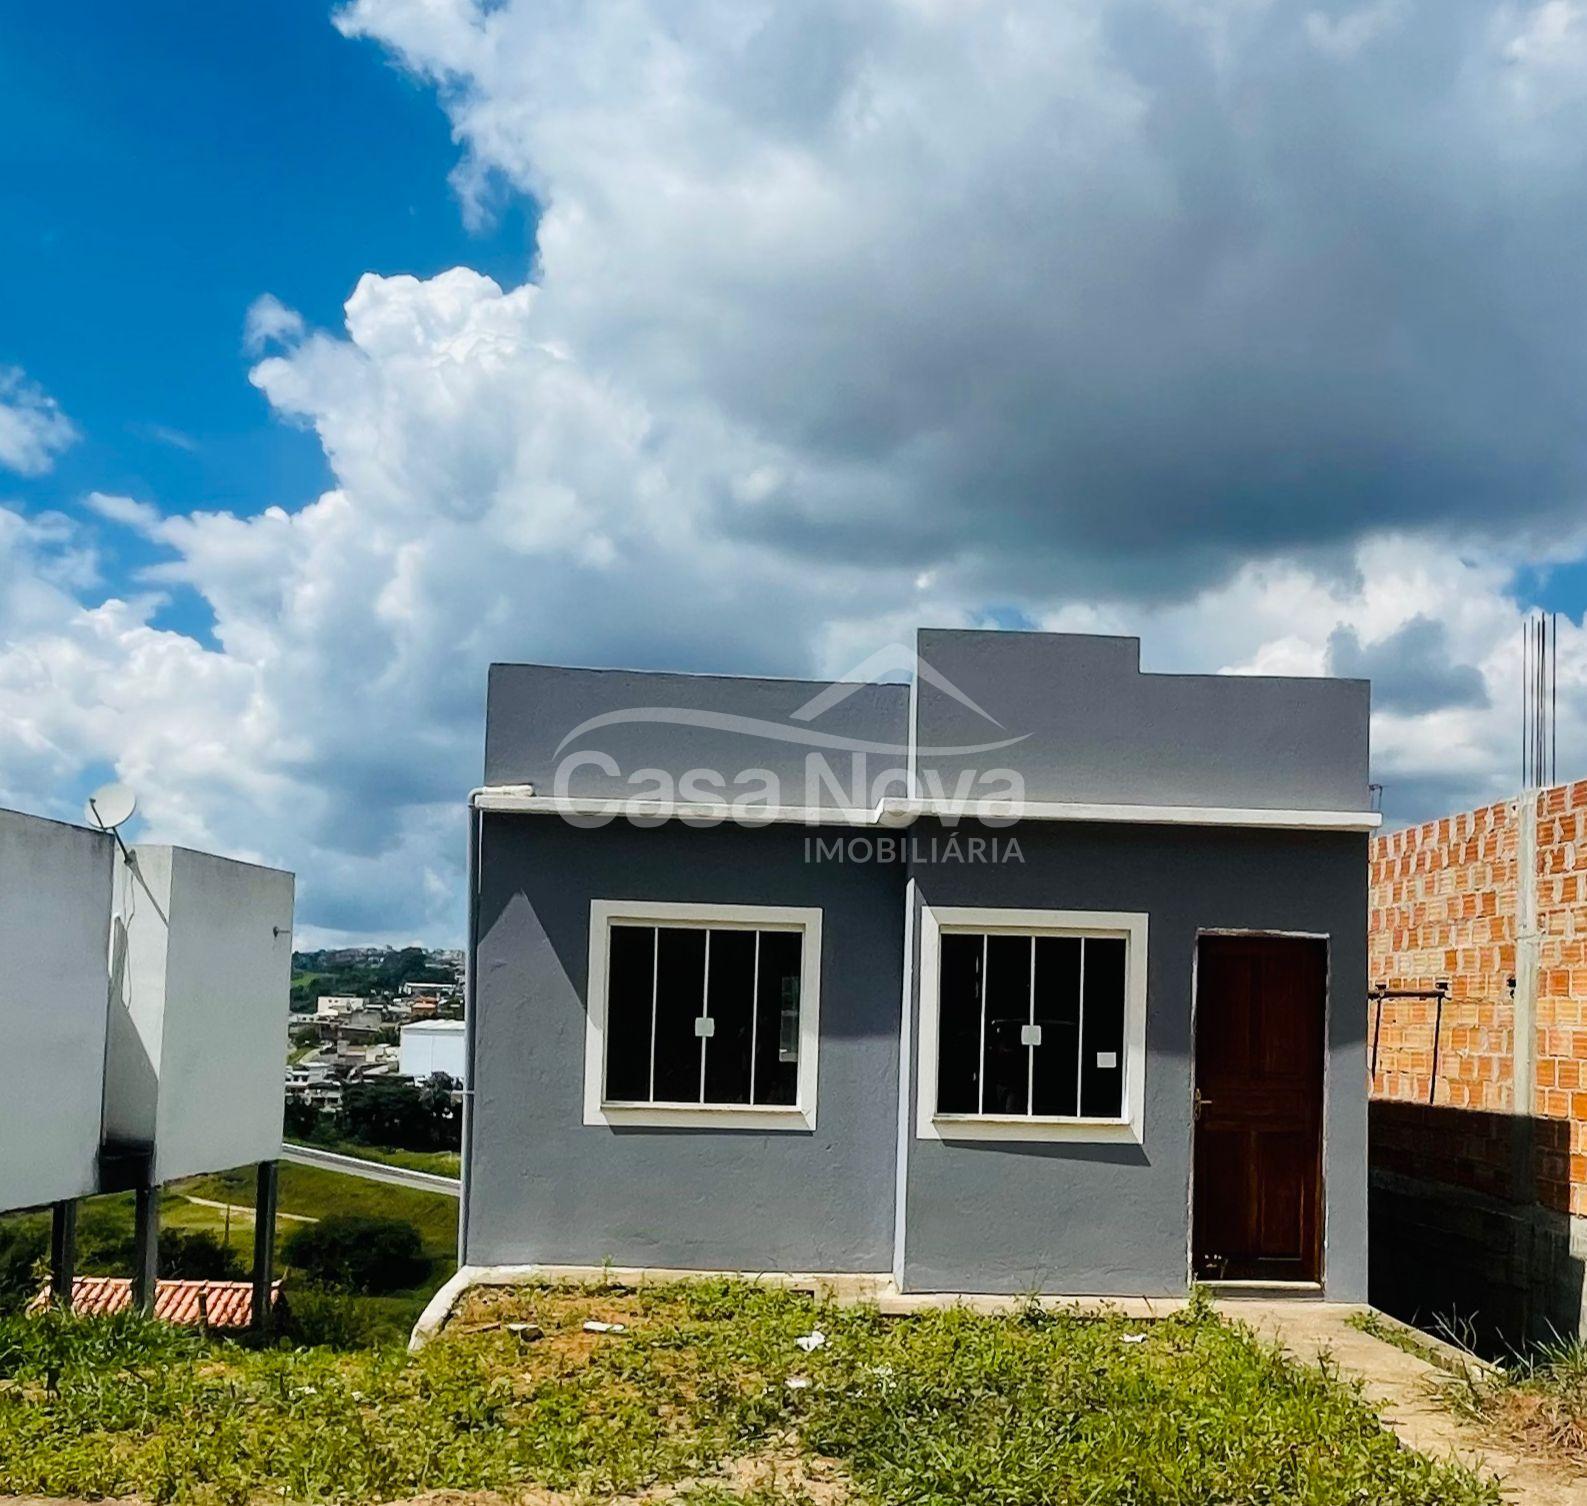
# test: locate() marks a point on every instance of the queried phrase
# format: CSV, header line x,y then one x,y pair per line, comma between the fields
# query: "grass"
x,y
943,1409
1538,1396
441,1163
310,1192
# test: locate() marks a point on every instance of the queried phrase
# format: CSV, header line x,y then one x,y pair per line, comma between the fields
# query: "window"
x,y
702,1014
1032,1024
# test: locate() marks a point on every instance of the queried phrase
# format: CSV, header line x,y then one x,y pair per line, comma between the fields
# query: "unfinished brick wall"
x,y
1442,909
1444,902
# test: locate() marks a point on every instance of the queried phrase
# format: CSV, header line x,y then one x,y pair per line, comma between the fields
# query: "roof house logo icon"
x,y
808,762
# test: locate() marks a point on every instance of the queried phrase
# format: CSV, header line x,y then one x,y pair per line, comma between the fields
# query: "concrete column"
x,y
146,1248
1528,954
63,1253
264,1245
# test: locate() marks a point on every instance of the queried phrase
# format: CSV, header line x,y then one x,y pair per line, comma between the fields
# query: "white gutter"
x,y
893,812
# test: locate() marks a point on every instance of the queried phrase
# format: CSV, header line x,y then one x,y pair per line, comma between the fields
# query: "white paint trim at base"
x,y
845,1288
892,812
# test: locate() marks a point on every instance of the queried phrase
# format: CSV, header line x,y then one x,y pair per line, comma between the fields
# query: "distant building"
x,y
198,1304
431,1046
431,990
330,1006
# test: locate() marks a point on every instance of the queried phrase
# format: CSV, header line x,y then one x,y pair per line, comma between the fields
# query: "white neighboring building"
x,y
330,1006
431,1046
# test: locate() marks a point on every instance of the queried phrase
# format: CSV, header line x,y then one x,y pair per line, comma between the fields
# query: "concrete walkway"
x,y
1404,1390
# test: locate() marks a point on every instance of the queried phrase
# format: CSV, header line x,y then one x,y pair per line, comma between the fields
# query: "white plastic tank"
x,y
55,885
200,965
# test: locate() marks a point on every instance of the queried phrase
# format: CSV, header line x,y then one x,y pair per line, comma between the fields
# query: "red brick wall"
x,y
1443,908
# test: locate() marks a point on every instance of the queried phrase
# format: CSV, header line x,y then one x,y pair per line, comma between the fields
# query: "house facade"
x,y
1034,973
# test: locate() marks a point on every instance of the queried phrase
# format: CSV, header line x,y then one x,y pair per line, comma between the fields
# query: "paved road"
x,y
375,1171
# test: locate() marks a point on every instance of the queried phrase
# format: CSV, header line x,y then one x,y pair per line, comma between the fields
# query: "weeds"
x,y
943,1408
1538,1395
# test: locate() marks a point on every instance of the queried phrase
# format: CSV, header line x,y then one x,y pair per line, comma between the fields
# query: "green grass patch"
x,y
943,1409
441,1163
312,1192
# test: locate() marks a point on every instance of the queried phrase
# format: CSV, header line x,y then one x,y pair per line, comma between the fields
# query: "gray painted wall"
x,y
1002,1216
54,938
1082,723
532,708
987,1216
1097,730
546,1187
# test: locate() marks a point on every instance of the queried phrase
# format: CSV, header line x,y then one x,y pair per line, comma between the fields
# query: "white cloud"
x,y
33,430
141,517
270,322
1250,327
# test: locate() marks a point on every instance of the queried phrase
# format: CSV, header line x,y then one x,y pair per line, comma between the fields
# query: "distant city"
x,y
366,1016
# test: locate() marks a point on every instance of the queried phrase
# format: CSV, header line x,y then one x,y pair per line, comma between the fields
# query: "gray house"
x,y
1033,973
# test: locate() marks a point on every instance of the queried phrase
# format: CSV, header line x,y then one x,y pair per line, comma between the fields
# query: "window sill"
x,y
1020,1127
766,1117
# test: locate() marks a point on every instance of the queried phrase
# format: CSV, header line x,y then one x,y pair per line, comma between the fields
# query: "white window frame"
x,y
1112,924
801,1114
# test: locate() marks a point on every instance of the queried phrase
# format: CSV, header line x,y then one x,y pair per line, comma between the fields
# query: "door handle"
x,y
1200,1103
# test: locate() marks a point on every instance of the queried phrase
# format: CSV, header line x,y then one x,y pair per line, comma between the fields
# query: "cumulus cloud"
x,y
33,430
1410,669
1255,329
270,322
141,517
1095,296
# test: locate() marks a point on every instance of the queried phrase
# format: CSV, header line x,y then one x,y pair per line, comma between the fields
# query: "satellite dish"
x,y
109,806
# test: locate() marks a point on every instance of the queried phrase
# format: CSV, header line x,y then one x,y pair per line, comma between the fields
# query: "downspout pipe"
x,y
470,969
476,818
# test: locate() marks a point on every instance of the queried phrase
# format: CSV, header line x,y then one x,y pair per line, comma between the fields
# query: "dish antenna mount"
x,y
110,807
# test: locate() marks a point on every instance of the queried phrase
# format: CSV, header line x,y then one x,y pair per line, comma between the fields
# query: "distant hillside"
x,y
372,971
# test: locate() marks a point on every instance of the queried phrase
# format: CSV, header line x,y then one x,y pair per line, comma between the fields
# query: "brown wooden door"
x,y
1258,1108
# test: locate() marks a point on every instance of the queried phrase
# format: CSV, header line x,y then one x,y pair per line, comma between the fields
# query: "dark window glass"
x,y
680,999
730,996
959,1025
685,999
1007,992
1056,1071
629,969
1102,1048
777,1017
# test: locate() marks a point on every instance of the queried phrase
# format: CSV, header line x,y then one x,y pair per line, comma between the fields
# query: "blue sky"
x,y
162,165
1258,331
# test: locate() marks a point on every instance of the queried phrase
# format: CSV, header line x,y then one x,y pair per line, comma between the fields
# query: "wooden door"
x,y
1258,1107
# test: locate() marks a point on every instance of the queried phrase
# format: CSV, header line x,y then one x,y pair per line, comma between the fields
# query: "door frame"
x,y
1326,937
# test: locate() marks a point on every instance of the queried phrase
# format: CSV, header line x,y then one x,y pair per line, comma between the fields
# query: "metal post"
x,y
264,1245
63,1253
146,1248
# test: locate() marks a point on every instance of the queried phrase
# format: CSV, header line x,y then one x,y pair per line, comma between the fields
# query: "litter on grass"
x,y
1133,1338
594,1326
810,1342
797,1383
